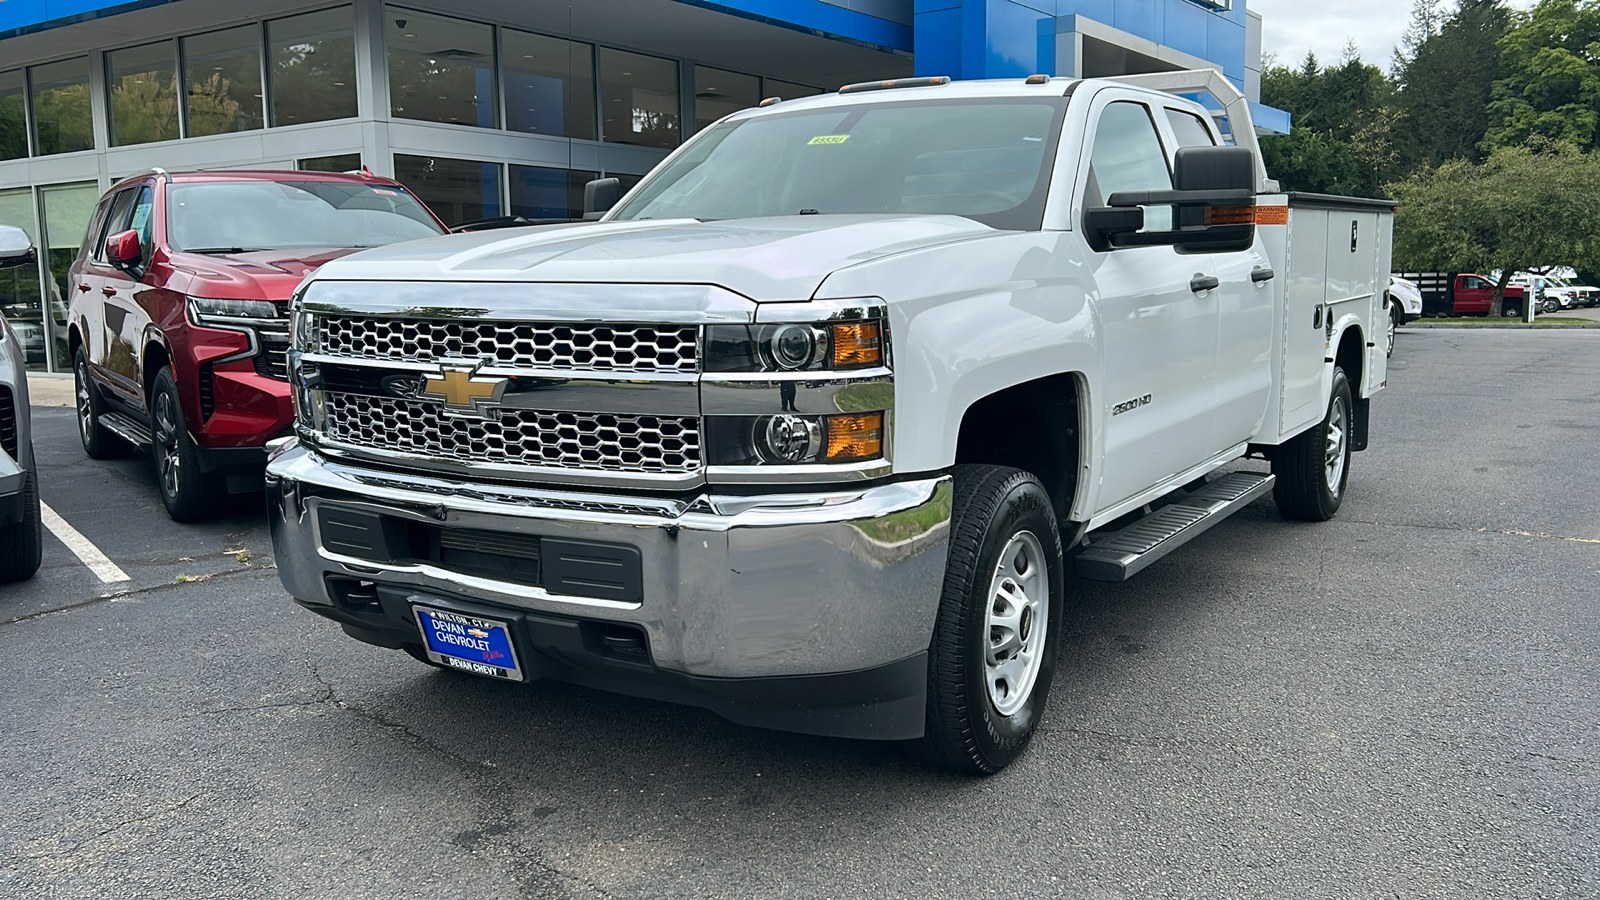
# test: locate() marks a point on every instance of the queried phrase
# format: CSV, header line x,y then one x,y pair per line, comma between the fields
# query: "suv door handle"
x,y
1202,283
109,291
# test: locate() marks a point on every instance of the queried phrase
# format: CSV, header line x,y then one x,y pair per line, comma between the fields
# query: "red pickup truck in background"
x,y
1464,294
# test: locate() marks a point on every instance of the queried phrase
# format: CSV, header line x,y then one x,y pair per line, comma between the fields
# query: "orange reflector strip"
x,y
857,344
1272,215
855,437
1230,215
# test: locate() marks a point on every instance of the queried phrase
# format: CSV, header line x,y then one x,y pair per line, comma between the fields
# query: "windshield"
x,y
239,216
988,160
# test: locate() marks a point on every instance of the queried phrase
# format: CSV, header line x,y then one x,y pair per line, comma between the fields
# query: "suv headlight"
x,y
225,313
814,398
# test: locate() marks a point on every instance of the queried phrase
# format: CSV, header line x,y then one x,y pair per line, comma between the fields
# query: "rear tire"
x,y
98,443
995,642
1314,466
189,494
1394,326
21,544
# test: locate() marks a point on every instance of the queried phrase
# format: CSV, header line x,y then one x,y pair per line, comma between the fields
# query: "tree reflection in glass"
x,y
222,73
144,93
13,116
440,69
313,67
61,115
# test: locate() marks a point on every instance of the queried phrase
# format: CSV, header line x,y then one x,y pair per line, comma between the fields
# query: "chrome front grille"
x,y
594,348
518,437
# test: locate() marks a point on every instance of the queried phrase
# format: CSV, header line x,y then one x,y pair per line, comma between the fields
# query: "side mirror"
x,y
122,249
599,196
15,248
1213,207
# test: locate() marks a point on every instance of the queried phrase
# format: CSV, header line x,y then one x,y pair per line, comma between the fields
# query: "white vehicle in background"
x,y
1555,291
1404,303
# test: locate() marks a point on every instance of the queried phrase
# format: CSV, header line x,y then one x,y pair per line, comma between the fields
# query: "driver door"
x,y
1158,314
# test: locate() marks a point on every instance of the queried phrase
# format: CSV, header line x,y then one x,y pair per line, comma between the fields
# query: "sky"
x,y
1293,27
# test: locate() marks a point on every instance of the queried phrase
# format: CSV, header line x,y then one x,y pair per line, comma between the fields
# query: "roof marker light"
x,y
1036,79
769,102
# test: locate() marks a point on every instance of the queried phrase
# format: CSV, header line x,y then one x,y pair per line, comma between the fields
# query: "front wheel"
x,y
1314,465
1394,326
189,494
995,641
21,544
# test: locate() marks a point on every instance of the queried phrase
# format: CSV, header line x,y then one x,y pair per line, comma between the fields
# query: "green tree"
x,y
1342,141
1549,77
1445,76
1532,207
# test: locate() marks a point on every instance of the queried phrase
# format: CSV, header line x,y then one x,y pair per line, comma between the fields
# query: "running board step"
x,y
1120,555
128,428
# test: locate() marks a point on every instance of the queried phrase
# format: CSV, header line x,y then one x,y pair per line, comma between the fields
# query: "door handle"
x,y
109,291
83,287
1202,283
1261,274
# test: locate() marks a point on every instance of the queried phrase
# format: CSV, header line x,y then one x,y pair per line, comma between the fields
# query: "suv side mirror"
x,y
15,248
122,249
599,196
1213,206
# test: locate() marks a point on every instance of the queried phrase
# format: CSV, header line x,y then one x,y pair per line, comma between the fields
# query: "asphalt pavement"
x,y
1404,702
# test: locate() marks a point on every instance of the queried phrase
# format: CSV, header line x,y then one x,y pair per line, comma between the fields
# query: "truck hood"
x,y
258,275
767,260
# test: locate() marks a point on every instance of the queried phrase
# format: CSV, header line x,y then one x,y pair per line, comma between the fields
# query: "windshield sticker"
x,y
828,139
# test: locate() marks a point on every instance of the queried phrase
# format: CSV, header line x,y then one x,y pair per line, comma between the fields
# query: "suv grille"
x,y
273,360
8,421
597,348
601,442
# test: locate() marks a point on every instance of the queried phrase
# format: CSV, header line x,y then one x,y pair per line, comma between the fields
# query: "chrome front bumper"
x,y
746,587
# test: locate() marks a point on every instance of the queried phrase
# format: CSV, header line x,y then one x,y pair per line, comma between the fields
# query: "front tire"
x,y
189,494
98,443
21,544
995,642
1314,466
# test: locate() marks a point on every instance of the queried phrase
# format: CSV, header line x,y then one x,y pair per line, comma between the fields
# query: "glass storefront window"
x,y
344,162
13,115
142,83
788,90
222,75
61,118
313,67
718,93
457,190
67,209
639,97
541,193
549,85
20,300
440,70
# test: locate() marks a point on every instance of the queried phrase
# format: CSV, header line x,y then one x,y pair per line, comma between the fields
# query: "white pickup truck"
x,y
810,427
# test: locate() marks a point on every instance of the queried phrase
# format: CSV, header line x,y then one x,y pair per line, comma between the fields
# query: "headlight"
x,y
789,439
215,312
795,347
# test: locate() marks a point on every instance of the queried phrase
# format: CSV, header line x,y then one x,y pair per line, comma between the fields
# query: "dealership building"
x,y
489,107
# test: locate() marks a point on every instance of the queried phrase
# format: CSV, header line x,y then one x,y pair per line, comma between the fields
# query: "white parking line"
x,y
81,547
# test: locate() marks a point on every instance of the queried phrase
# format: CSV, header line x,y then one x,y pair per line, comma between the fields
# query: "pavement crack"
x,y
167,810
116,596
1510,532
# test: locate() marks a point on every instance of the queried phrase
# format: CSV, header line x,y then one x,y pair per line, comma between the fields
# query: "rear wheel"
x,y
1312,467
21,547
189,494
1394,326
98,443
1510,311
995,641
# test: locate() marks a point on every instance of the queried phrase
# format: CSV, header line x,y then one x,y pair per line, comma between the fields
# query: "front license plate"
x,y
468,643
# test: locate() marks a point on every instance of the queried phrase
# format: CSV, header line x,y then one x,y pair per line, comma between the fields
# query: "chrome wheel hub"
x,y
85,411
1337,436
1016,622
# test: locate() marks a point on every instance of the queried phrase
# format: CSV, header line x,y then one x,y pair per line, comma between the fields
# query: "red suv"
x,y
179,328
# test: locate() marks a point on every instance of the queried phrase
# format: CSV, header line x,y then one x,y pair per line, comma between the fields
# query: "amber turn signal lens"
x,y
1230,215
857,344
855,437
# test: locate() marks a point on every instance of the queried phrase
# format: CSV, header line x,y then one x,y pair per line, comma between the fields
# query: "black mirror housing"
x,y
599,196
1213,208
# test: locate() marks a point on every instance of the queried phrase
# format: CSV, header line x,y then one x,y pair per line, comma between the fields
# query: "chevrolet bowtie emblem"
x,y
463,393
